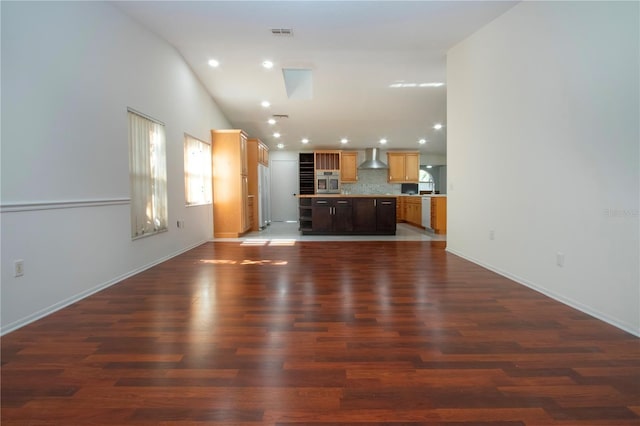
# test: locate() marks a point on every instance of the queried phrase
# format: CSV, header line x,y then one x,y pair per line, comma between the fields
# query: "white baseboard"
x,y
75,298
562,299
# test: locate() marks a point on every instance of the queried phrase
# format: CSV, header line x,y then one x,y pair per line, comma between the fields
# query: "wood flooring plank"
x,y
335,333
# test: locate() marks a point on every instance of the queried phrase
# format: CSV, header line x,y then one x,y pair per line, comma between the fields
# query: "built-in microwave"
x,y
327,182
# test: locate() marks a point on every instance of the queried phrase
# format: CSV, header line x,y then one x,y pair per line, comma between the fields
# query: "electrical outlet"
x,y
492,234
18,268
560,259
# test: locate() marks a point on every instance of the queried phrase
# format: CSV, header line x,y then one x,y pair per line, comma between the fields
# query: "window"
x,y
426,181
147,175
197,171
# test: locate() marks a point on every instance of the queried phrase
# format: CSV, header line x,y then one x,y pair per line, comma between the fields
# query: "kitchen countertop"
x,y
349,196
368,195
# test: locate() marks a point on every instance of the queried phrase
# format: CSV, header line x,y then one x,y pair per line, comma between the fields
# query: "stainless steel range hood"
x,y
371,160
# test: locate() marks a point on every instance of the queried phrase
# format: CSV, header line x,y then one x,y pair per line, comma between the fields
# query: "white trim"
x,y
562,299
143,115
4,329
63,204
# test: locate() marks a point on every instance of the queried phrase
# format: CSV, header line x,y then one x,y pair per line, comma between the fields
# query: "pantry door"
x,y
284,190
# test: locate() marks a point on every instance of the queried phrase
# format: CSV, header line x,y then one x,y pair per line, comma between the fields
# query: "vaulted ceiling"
x,y
361,70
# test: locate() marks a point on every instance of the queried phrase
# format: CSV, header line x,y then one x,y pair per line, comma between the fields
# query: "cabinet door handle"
x,y
375,203
386,202
321,202
342,202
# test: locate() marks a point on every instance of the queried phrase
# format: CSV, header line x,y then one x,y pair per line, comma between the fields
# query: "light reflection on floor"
x,y
286,234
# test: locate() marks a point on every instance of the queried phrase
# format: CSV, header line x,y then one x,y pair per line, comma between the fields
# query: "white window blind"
x,y
148,175
197,171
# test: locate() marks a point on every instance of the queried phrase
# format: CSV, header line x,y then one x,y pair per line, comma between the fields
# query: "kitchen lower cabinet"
x,y
374,216
413,210
386,216
330,215
439,215
350,215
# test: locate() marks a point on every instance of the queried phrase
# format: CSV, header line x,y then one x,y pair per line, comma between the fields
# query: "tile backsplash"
x,y
371,181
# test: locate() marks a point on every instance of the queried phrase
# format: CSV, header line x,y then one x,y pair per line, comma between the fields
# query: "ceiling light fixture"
x,y
428,167
437,126
276,135
422,141
383,141
280,145
213,63
265,104
271,121
398,84
305,140
267,64
344,140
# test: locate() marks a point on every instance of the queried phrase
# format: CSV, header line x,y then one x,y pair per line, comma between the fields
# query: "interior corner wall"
x,y
70,70
543,149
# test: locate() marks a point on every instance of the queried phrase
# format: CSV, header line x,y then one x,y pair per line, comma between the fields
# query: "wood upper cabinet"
x,y
257,153
327,160
349,166
404,167
231,216
263,153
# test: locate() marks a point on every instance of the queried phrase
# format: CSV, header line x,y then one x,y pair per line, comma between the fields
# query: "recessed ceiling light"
x,y
431,84
383,141
213,63
271,121
422,141
437,126
265,104
305,140
267,64
280,145
409,85
276,135
395,85
428,167
344,140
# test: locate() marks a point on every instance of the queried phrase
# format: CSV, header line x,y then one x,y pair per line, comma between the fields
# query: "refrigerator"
x,y
264,196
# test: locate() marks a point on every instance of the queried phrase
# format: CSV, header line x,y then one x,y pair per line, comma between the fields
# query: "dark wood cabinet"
x,y
374,215
351,215
364,215
332,215
386,216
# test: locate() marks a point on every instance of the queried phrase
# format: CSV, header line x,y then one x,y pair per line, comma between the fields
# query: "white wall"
x,y
69,72
543,148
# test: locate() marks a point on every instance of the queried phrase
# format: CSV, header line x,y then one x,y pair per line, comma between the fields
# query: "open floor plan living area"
x,y
242,213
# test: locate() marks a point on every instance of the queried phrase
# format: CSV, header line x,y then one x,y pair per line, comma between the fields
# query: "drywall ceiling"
x,y
352,52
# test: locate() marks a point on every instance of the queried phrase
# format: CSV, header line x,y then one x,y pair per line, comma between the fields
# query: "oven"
x,y
327,182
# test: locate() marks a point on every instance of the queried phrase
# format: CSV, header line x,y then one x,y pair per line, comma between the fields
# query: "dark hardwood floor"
x,y
327,333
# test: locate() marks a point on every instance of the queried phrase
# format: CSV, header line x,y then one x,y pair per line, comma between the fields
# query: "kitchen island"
x,y
337,214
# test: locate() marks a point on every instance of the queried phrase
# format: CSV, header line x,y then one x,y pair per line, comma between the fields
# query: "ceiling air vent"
x,y
280,116
282,32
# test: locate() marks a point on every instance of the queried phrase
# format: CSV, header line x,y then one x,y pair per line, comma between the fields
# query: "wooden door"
x,y
364,215
396,166
349,167
386,215
412,167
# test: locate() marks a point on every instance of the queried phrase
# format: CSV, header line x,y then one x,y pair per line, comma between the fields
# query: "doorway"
x,y
284,190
